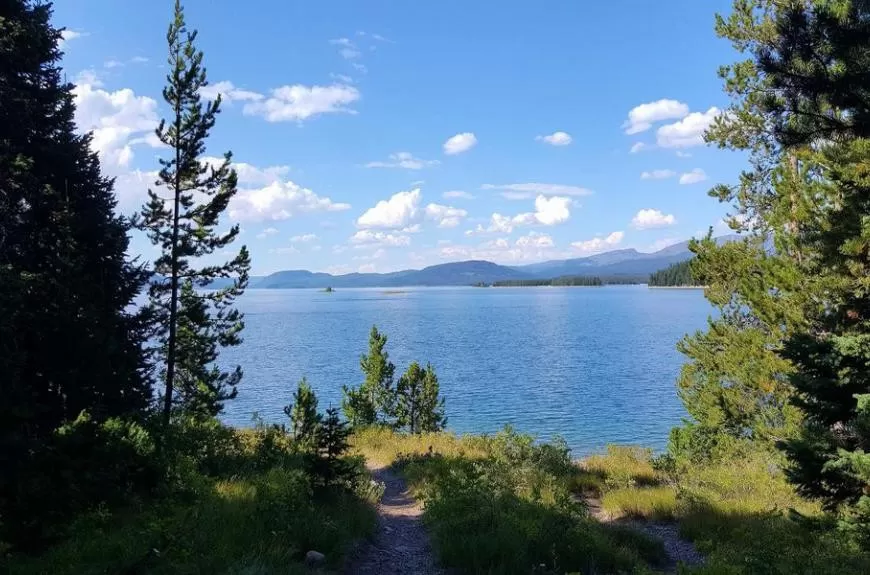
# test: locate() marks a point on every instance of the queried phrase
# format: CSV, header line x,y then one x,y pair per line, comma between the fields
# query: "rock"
x,y
314,558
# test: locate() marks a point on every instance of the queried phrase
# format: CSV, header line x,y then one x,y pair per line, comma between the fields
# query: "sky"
x,y
376,135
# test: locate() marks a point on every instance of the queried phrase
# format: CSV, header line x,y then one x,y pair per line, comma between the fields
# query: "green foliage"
x,y
85,464
245,514
69,338
559,281
505,508
678,274
329,464
190,326
419,408
303,415
374,400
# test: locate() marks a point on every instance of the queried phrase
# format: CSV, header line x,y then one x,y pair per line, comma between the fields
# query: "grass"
x,y
254,513
740,512
503,504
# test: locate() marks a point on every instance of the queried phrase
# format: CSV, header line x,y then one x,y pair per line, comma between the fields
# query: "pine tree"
x,y
191,324
68,342
818,63
375,398
418,405
329,465
303,414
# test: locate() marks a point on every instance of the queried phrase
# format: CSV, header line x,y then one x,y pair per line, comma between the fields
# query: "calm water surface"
x,y
594,365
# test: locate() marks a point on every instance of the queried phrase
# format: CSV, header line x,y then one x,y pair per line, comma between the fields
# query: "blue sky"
x,y
383,135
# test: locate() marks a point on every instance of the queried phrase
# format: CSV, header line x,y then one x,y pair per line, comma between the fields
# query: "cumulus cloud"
x,y
682,154
347,48
658,175
372,238
556,139
549,211
596,245
458,195
280,200
531,190
119,120
400,211
532,247
535,240
688,132
650,218
403,160
637,147
299,102
460,143
641,118
693,177
303,239
89,77
228,93
446,216
252,175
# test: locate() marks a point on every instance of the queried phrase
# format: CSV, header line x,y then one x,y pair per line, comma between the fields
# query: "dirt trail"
x,y
401,544
678,550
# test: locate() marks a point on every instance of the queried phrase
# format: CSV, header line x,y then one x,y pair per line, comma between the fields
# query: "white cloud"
x,y
403,160
131,189
343,78
458,195
348,50
535,240
446,216
228,93
641,118
89,77
693,177
139,60
658,175
682,154
266,233
112,64
596,245
460,143
298,102
688,132
359,67
119,120
303,239
68,35
401,210
371,238
367,269
280,200
531,190
548,212
650,218
552,211
556,139
411,229
250,174
637,147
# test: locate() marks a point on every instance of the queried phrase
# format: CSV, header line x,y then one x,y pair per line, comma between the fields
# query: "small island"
x,y
328,289
586,281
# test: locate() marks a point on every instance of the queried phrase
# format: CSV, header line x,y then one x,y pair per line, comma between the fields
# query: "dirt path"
x,y
401,544
677,549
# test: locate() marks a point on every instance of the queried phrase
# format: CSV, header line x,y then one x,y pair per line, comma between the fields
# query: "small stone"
x,y
314,558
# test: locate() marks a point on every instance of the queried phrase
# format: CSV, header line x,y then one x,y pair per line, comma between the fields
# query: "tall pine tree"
x,y
68,341
374,399
192,324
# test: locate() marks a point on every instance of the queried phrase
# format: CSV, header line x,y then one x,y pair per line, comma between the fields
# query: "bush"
x,y
84,465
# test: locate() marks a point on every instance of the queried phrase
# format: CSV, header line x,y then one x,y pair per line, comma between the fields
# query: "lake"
x,y
593,365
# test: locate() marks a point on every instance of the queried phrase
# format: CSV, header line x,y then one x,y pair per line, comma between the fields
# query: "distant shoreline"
x,y
677,287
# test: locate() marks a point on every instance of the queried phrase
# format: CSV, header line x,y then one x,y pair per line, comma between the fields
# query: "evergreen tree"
x,y
68,341
192,325
818,63
418,405
375,398
329,465
303,414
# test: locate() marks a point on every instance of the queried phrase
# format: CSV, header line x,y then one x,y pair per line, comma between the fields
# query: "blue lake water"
x,y
593,365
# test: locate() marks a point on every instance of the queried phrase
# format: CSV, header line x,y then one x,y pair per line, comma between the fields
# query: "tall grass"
x,y
254,511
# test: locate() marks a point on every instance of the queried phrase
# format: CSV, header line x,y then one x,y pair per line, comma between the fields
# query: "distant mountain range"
x,y
625,263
